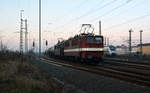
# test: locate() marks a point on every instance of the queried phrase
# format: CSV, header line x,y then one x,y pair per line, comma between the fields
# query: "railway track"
x,y
128,65
128,61
126,73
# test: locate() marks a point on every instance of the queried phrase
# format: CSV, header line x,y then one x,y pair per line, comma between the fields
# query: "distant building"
x,y
145,48
134,49
123,49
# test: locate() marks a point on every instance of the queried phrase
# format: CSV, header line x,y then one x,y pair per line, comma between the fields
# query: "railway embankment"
x,y
87,81
18,75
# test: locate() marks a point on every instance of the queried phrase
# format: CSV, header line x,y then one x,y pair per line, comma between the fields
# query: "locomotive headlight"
x,y
101,49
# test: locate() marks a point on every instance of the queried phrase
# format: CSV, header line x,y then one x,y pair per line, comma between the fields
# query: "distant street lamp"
x,y
141,51
130,40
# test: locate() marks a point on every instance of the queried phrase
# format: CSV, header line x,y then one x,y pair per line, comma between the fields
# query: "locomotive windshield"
x,y
98,40
90,39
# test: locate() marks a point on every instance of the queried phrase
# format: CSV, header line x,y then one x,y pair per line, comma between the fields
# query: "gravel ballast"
x,y
88,82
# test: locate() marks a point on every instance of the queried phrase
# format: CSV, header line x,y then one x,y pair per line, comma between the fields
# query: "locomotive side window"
x,y
90,39
74,42
98,40
67,44
81,40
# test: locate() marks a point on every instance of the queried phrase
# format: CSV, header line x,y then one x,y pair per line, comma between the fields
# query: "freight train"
x,y
85,47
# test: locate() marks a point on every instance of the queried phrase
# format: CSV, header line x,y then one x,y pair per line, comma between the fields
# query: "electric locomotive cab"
x,y
93,49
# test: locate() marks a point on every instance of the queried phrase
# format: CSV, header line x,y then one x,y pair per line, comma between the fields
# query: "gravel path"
x,y
88,82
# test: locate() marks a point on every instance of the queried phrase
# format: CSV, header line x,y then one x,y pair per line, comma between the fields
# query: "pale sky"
x,y
63,18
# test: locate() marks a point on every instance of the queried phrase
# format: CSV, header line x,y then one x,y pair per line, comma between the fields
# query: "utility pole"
x,y
21,32
39,27
26,36
100,29
130,41
141,50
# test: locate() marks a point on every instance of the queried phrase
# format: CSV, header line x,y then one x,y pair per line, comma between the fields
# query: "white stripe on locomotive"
x,y
83,49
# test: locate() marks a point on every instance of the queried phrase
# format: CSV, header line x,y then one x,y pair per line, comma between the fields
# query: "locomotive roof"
x,y
76,36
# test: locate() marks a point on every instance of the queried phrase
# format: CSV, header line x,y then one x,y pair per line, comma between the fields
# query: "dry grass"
x,y
18,76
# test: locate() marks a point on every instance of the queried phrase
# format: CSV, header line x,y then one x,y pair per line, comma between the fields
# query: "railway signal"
x,y
33,45
46,44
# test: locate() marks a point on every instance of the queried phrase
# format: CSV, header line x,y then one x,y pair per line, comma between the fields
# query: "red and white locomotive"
x,y
85,46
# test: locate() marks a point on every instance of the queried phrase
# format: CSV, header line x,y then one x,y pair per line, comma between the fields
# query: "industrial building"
x,y
145,48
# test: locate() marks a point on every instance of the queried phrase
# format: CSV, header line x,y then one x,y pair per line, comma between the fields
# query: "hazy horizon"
x,y
63,18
